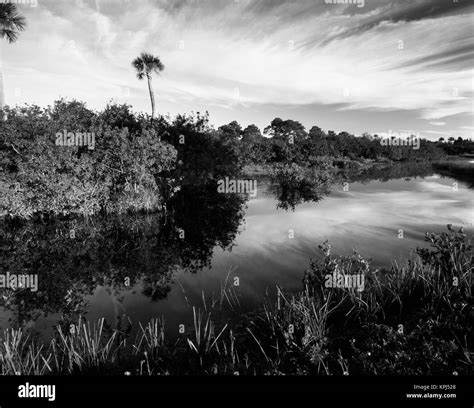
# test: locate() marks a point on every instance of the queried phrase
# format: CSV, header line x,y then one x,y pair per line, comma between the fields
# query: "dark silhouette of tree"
x,y
11,24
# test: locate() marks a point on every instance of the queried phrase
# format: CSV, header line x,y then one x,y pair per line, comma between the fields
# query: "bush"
x,y
124,169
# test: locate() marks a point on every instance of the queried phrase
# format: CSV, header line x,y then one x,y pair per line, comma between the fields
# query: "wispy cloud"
x,y
393,56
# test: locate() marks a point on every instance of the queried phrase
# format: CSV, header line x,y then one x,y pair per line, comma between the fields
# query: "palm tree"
x,y
11,23
145,65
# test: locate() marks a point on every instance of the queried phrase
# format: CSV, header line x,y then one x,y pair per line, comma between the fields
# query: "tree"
x,y
316,144
145,65
231,131
251,134
11,23
287,139
255,149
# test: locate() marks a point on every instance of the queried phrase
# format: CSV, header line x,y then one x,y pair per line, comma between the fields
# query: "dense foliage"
x,y
457,146
122,170
136,162
287,141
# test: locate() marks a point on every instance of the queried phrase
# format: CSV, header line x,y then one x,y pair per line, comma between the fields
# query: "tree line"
x,y
287,141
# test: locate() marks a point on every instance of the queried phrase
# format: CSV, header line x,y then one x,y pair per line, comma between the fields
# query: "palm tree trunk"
x,y
2,94
152,96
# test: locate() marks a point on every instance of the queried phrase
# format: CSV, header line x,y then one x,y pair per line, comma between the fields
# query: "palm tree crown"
x,y
146,63
11,22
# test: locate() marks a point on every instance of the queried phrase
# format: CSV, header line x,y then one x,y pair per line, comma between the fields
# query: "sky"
x,y
377,66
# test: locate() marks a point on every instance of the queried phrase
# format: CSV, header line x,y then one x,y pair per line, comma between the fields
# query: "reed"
x,y
84,347
319,330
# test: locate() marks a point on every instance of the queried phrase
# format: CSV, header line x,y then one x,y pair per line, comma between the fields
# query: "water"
x,y
254,243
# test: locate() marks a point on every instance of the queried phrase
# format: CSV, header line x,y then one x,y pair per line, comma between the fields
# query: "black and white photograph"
x,y
236,196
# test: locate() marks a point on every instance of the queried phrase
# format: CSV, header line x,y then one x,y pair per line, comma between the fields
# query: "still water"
x,y
132,269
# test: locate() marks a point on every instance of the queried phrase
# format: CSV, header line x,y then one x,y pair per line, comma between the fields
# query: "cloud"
x,y
389,11
389,56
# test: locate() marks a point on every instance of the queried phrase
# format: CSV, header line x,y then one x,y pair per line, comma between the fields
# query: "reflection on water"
x,y
78,261
144,266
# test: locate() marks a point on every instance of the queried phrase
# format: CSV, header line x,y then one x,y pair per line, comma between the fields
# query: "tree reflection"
x,y
73,257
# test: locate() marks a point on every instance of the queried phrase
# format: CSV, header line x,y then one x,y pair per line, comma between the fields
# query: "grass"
x,y
415,318
18,356
84,347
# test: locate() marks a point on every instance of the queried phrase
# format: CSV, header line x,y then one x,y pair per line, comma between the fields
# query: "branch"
x,y
13,147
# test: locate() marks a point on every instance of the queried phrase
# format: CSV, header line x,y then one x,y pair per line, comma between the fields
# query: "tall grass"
x,y
84,347
414,318
18,356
